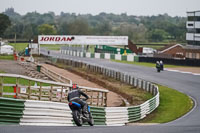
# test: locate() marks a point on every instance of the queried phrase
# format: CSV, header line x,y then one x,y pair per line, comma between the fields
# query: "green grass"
x,y
19,46
145,64
151,46
23,82
173,105
6,57
2,71
52,47
58,46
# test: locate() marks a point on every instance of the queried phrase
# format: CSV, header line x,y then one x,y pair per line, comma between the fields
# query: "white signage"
x,y
33,45
22,90
83,40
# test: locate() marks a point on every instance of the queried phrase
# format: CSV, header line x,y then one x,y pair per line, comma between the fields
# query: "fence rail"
x,y
25,87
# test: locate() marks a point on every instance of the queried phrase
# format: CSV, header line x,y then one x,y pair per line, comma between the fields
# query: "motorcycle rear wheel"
x,y
77,118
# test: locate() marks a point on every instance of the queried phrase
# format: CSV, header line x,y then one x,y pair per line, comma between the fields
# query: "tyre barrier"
x,y
45,113
74,52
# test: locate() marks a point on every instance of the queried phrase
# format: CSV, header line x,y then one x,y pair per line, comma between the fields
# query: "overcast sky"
x,y
131,7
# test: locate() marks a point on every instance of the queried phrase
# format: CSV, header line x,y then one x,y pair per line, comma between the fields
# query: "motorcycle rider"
x,y
74,95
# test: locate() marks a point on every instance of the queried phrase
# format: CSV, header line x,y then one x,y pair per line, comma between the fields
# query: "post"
x,y
106,94
17,88
1,87
92,98
40,91
102,99
98,98
29,89
51,91
61,93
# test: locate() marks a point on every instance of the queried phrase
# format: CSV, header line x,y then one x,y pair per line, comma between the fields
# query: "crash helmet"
x,y
75,86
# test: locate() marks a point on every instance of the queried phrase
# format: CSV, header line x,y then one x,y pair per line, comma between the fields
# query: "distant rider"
x,y
74,95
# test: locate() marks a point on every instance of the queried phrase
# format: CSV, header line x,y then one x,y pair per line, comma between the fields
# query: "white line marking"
x,y
196,74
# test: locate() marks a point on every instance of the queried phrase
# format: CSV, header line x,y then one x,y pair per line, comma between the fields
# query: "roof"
x,y
7,46
168,47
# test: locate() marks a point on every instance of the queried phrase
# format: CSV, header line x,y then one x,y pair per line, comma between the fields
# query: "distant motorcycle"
x,y
78,116
158,69
158,66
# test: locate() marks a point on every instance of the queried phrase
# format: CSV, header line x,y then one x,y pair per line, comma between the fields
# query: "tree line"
x,y
139,29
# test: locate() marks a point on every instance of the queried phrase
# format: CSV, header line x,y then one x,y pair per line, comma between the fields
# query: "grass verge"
x,y
6,57
173,105
19,46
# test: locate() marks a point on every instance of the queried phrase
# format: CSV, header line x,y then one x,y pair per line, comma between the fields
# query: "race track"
x,y
183,82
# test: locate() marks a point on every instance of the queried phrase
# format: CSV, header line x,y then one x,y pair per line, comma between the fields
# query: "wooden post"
x,y
51,91
106,94
61,94
1,87
40,91
92,98
29,89
17,87
98,99
102,99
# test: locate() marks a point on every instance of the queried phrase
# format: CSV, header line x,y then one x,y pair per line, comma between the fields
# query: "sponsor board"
x,y
83,40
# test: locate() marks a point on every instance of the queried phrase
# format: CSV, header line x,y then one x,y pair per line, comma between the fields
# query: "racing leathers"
x,y
74,95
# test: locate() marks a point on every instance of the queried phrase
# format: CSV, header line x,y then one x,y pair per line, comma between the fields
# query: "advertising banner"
x,y
83,40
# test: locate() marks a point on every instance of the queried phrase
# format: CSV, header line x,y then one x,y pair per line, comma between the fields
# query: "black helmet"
x,y
75,86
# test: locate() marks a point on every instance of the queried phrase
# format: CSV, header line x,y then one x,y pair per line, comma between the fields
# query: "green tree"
x,y
77,27
4,23
104,28
46,29
158,35
28,32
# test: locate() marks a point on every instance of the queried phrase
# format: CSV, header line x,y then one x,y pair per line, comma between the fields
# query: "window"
x,y
191,30
190,55
198,56
190,24
197,30
197,18
194,55
191,18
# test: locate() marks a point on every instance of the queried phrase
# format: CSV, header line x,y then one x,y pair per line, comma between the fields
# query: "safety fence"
x,y
128,57
23,87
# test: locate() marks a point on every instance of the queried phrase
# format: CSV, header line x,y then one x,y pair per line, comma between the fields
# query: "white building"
x,y
193,28
6,49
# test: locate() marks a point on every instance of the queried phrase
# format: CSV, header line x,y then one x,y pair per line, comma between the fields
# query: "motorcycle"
x,y
78,116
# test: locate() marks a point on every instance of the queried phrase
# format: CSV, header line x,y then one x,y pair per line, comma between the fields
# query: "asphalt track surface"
x,y
183,82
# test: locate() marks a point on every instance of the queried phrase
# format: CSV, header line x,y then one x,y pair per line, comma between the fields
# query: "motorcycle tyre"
x,y
77,118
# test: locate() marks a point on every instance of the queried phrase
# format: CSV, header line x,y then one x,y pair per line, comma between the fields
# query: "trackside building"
x,y
193,28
